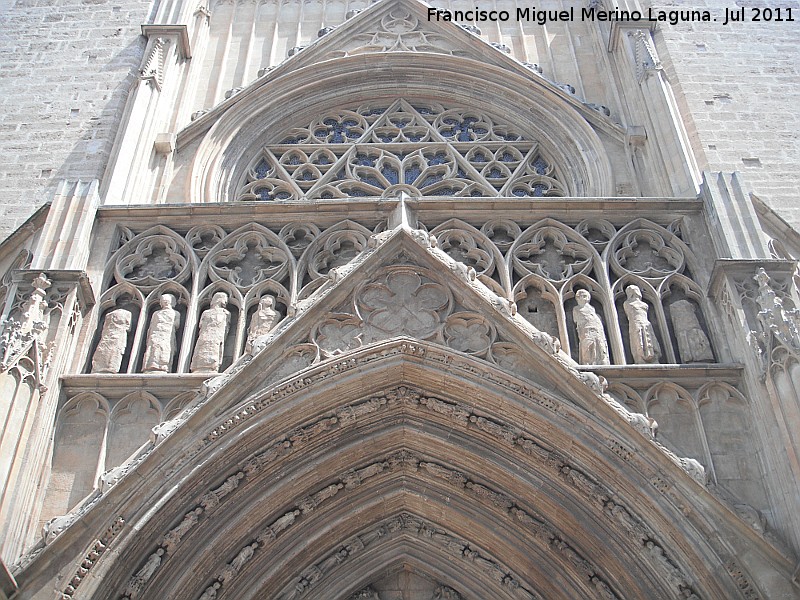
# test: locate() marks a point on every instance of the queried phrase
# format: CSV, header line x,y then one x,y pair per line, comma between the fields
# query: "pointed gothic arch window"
x,y
423,148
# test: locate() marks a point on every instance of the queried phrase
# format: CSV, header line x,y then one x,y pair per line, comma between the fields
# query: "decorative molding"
x,y
180,32
153,69
462,416
647,61
95,553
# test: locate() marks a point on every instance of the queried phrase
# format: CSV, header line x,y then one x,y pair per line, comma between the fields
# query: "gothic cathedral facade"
x,y
379,310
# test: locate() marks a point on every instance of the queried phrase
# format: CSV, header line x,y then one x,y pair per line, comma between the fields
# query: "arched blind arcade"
x,y
380,149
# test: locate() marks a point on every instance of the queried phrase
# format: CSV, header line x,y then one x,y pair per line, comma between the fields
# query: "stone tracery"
x,y
424,149
540,269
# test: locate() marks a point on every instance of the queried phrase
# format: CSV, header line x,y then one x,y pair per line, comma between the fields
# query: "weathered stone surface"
x,y
417,311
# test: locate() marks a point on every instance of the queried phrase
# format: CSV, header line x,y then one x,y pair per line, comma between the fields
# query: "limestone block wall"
x,y
69,64
736,86
245,37
65,74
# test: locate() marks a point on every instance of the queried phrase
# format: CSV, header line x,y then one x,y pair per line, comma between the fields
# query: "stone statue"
x,y
693,344
161,341
591,333
113,342
34,320
262,321
644,344
210,347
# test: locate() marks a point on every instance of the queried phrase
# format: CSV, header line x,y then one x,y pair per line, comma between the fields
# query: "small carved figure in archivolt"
x,y
593,347
693,344
113,342
644,344
210,347
161,341
262,321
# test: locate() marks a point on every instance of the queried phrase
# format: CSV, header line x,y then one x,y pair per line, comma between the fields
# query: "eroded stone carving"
x,y
29,330
172,539
137,583
113,342
693,344
366,594
210,348
262,321
644,344
444,592
161,337
92,556
404,304
593,348
33,310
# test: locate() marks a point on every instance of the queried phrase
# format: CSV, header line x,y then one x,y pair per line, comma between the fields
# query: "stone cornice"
x,y
428,206
746,268
179,31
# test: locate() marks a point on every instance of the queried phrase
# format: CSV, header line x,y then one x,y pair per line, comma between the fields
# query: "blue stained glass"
x,y
430,180
326,195
307,176
263,194
462,129
519,192
440,158
283,195
446,192
339,131
508,157
373,181
539,190
415,137
386,138
262,169
494,173
392,175
460,173
540,166
357,193
365,160
322,160
295,160
475,194
412,173
480,157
